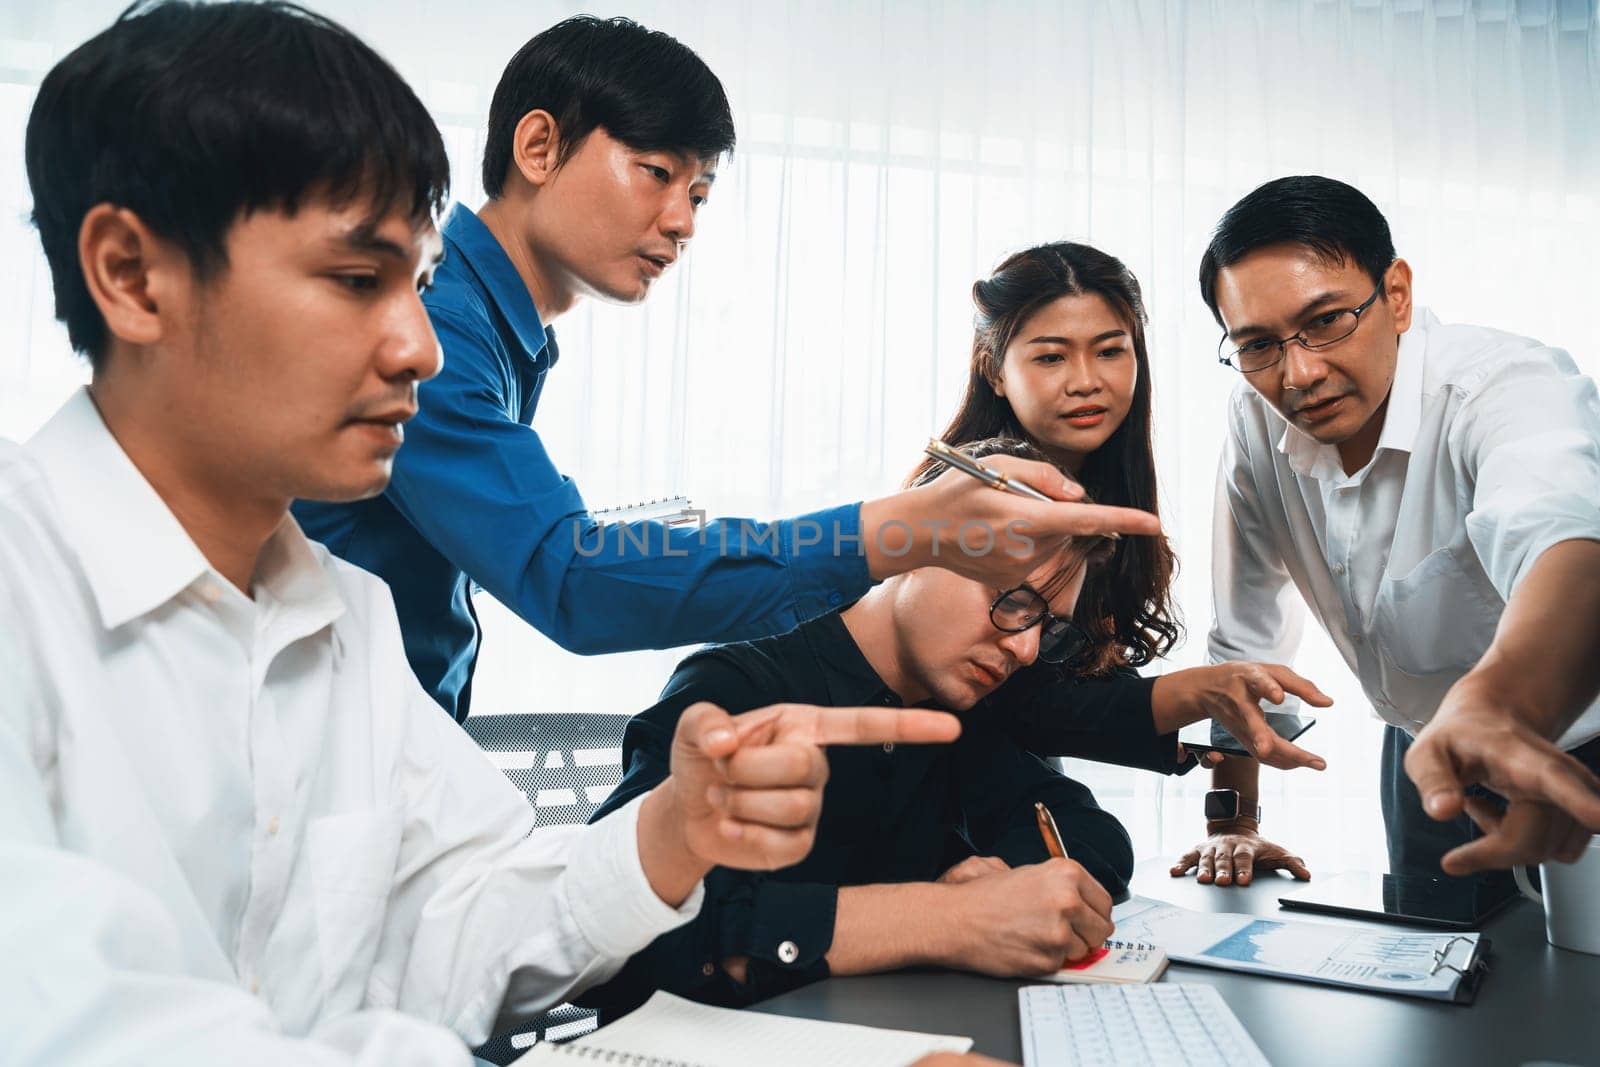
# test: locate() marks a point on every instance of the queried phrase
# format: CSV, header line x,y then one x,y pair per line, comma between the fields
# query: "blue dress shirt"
x,y
475,498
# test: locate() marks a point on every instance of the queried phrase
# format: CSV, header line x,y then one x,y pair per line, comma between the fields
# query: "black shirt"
x,y
890,814
1109,718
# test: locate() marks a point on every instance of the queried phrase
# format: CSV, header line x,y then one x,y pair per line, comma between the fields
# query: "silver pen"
x,y
988,475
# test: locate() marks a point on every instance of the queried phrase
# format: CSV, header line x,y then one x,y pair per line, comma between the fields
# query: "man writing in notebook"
x,y
603,144
1432,494
233,828
922,857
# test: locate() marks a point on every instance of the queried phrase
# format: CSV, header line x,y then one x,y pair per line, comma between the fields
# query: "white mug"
x,y
1571,900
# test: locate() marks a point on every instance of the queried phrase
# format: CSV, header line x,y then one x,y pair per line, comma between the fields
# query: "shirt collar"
x,y
1402,419
850,679
135,554
1307,456
292,575
475,246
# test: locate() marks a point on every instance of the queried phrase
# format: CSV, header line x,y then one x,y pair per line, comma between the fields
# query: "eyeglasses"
x,y
1323,330
1016,610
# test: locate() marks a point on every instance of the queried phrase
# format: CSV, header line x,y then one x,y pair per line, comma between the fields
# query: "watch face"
x,y
1222,804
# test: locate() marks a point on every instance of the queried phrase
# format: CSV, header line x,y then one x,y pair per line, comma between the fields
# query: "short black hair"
x,y
192,115
1333,219
643,87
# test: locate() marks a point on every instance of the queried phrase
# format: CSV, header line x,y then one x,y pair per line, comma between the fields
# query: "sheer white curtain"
x,y
891,153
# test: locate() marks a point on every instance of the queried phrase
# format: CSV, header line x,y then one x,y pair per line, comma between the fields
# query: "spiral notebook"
x,y
672,1032
1120,962
672,510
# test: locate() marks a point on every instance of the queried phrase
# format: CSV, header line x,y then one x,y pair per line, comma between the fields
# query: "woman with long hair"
x,y
1059,359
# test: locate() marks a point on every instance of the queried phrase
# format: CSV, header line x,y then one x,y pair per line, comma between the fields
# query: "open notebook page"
x,y
672,1029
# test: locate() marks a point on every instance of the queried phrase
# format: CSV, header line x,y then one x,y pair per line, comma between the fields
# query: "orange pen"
x,y
1049,831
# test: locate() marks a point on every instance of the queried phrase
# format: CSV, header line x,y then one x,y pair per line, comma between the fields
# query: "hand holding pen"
x,y
998,527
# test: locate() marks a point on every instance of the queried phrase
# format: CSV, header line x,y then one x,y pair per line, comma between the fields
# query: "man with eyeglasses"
x,y
920,857
1432,493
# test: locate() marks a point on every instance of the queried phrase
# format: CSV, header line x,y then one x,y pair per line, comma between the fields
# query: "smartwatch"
x,y
1223,805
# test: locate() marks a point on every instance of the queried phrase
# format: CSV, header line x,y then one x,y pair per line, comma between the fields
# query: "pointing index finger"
x,y
1048,521
877,726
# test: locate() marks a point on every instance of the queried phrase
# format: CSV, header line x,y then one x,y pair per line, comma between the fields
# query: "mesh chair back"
x,y
567,765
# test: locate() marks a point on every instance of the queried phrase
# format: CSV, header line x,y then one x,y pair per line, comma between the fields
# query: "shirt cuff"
x,y
827,559
791,924
610,898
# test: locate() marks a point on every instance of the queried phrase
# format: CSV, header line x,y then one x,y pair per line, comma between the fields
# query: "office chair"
x,y
567,765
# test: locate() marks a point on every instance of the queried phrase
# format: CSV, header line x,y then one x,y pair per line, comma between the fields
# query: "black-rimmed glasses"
x,y
1324,329
1015,610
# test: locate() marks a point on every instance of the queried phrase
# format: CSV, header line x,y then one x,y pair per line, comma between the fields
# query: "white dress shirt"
x,y
236,830
1490,454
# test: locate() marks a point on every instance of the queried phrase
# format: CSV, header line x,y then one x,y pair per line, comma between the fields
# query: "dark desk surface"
x,y
1537,1002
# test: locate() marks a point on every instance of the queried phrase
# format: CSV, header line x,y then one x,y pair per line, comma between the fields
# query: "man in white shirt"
x,y
1432,493
233,827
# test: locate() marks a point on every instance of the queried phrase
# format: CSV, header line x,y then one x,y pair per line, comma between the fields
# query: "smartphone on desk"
x,y
1208,735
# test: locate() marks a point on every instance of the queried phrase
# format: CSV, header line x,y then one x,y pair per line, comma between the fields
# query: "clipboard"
x,y
1472,971
1433,966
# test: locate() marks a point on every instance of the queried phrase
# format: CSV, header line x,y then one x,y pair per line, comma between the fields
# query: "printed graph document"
x,y
669,1030
1388,961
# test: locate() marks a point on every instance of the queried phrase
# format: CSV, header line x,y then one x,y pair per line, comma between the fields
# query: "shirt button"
x,y
788,952
707,969
888,746
1355,639
1338,568
210,591
272,827
255,986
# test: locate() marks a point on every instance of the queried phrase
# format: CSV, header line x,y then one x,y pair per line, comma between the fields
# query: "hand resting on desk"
x,y
1233,856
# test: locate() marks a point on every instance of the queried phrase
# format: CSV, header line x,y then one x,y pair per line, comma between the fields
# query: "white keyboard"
x,y
1160,1025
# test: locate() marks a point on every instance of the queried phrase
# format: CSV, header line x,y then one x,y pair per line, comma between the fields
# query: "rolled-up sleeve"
x,y
783,928
1529,438
480,486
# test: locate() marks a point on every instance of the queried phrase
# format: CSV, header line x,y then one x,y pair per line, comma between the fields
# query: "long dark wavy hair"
x,y
1126,604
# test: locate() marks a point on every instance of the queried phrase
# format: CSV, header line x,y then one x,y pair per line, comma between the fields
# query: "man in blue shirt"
x,y
602,144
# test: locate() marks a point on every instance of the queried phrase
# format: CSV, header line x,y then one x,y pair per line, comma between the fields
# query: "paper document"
x,y
669,1030
1120,961
1423,965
